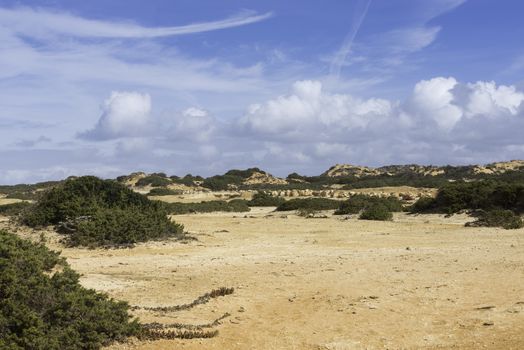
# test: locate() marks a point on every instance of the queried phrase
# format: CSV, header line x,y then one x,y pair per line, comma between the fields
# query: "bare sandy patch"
x,y
419,282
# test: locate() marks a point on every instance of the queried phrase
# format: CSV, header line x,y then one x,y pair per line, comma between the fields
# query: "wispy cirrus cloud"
x,y
345,48
38,22
385,51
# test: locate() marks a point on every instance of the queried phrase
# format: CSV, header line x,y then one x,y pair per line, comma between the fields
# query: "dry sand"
x,y
5,201
417,282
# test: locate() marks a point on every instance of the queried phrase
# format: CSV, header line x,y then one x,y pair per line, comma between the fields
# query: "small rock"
x,y
488,323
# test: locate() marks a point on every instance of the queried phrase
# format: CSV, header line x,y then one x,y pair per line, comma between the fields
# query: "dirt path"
x,y
418,282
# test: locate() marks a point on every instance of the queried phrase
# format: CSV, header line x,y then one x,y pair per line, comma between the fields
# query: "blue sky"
x,y
109,87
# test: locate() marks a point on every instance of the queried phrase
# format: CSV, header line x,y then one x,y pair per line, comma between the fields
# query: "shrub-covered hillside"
x,y
43,307
495,204
94,212
485,195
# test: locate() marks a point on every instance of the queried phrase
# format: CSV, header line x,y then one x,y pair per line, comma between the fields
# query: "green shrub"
x,y
162,191
264,199
222,182
13,208
360,202
498,218
235,205
45,308
88,206
116,226
377,211
244,173
309,203
154,180
188,180
485,195
26,192
423,205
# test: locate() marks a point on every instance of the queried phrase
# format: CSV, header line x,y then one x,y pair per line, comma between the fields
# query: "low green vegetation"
x,y
497,218
264,199
13,209
359,202
497,204
162,191
233,179
119,227
235,205
27,192
485,195
222,182
376,211
309,203
154,180
43,306
94,212
188,180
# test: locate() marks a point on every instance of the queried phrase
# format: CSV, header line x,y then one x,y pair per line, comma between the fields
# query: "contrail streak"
x,y
343,52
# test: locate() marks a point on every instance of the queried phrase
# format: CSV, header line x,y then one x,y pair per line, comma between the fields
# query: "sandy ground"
x,y
417,282
204,196
4,201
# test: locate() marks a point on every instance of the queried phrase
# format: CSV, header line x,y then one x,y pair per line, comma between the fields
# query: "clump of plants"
x,y
235,205
264,199
359,202
485,195
162,191
506,219
188,180
377,211
154,180
25,191
14,209
94,212
494,204
309,203
43,306
230,180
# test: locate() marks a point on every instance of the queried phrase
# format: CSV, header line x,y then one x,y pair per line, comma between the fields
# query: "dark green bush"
x,y
309,203
244,173
108,210
154,180
498,218
188,180
264,199
235,205
27,192
360,202
13,208
485,195
296,176
117,226
222,182
423,205
162,191
377,211
43,307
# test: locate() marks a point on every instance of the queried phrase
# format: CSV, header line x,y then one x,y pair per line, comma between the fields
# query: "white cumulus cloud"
x,y
434,99
308,109
124,114
193,124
